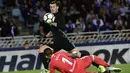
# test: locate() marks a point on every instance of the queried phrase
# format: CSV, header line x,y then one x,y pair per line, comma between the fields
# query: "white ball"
x,y
49,18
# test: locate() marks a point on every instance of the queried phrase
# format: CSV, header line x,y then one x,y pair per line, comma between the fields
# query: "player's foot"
x,y
45,71
114,69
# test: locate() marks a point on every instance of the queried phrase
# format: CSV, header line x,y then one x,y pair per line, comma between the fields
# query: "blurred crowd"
x,y
80,15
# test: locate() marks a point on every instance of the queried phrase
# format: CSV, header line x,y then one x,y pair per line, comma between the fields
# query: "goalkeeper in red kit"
x,y
65,64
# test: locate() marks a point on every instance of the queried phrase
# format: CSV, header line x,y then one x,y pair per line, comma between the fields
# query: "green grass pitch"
x,y
124,67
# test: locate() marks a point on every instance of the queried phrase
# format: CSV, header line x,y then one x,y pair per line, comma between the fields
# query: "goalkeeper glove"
x,y
45,71
101,69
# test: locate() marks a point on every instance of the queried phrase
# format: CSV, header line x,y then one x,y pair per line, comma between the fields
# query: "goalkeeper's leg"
x,y
103,66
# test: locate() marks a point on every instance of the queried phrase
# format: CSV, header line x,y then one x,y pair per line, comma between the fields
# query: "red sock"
x,y
100,61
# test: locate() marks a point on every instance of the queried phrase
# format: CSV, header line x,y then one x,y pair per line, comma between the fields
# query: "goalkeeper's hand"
x,y
45,71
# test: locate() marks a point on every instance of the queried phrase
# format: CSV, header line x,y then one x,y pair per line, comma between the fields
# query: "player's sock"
x,y
99,61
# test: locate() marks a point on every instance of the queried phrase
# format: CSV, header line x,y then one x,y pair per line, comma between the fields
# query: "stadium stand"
x,y
16,15
20,17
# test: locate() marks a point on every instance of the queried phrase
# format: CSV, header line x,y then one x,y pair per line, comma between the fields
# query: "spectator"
x,y
32,18
44,4
25,12
108,4
90,16
114,12
118,23
82,23
64,2
126,25
36,27
126,22
16,13
123,9
106,27
104,14
97,21
70,26
78,29
5,26
118,20
89,4
99,2
83,11
118,26
64,10
90,27
73,13
41,44
96,6
41,12
41,32
34,3
38,4
26,46
14,29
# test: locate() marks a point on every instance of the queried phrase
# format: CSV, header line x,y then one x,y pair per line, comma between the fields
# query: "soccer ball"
x,y
49,18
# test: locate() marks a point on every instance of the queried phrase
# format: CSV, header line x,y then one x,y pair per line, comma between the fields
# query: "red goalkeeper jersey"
x,y
62,63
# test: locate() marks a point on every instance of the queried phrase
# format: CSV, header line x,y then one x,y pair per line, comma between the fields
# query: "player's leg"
x,y
97,60
61,41
44,60
65,44
103,66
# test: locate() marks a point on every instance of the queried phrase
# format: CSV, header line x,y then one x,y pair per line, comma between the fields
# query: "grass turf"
x,y
124,67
